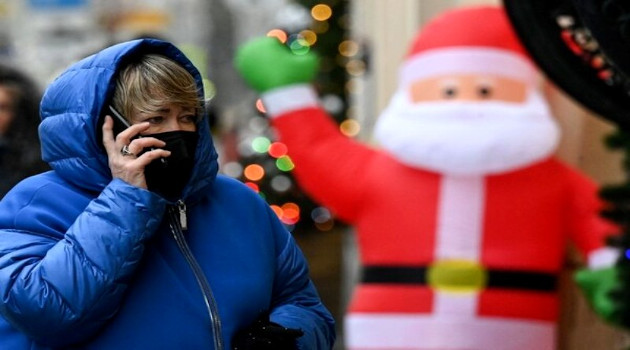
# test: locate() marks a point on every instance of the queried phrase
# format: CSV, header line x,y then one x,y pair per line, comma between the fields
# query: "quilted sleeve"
x,y
62,275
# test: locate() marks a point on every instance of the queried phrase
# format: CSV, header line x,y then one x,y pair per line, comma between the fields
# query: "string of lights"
x,y
265,164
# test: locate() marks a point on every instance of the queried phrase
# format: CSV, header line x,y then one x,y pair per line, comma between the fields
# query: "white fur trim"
x,y
472,60
288,99
460,217
462,305
412,331
603,258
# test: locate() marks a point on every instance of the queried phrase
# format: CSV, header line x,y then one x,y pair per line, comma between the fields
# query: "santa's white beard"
x,y
468,138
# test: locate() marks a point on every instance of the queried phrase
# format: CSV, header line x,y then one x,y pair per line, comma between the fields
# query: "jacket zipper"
x,y
178,223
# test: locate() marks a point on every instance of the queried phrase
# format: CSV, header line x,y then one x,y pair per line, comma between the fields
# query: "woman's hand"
x,y
122,152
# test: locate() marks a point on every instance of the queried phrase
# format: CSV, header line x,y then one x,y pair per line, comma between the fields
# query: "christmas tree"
x,y
265,164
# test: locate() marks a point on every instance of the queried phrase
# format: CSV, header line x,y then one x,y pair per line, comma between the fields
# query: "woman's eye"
x,y
189,119
154,120
484,91
449,92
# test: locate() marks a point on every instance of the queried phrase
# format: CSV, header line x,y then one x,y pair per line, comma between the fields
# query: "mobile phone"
x,y
126,124
119,117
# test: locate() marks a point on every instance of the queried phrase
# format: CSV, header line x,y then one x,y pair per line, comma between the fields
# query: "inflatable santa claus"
x,y
462,213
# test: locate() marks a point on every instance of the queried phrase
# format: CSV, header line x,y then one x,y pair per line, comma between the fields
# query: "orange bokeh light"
x,y
321,12
276,209
290,213
279,34
260,107
254,172
350,127
291,210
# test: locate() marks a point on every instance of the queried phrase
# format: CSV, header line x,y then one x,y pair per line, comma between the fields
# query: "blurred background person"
x,y
19,117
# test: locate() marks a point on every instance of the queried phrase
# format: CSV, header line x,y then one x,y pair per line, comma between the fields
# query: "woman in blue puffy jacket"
x,y
133,241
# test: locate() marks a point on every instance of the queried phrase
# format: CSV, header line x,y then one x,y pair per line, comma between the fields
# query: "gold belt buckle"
x,y
457,276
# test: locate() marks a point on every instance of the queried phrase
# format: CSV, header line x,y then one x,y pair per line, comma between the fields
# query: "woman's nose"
x,y
173,124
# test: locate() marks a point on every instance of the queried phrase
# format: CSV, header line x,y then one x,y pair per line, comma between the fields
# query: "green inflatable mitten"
x,y
603,291
266,63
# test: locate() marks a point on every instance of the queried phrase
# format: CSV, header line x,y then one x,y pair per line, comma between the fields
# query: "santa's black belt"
x,y
474,278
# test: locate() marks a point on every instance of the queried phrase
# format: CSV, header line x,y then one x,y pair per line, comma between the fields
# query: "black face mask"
x,y
168,176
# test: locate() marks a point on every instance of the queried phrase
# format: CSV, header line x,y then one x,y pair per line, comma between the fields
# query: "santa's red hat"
x,y
477,39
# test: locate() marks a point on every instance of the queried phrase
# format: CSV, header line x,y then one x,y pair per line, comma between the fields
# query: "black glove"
x,y
266,335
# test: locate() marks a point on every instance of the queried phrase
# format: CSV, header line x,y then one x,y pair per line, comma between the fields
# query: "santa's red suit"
x,y
465,259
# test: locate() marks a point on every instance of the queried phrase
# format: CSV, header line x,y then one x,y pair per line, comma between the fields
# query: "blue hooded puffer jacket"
x,y
89,262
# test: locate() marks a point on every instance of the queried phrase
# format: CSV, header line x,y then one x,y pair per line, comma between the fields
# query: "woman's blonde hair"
x,y
149,83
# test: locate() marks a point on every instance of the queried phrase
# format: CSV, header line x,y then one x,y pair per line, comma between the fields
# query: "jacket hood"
x,y
74,103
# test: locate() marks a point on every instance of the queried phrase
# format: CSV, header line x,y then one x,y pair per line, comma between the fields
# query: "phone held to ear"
x,y
119,118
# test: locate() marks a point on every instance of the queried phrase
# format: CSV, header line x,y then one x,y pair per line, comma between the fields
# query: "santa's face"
x,y
468,125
